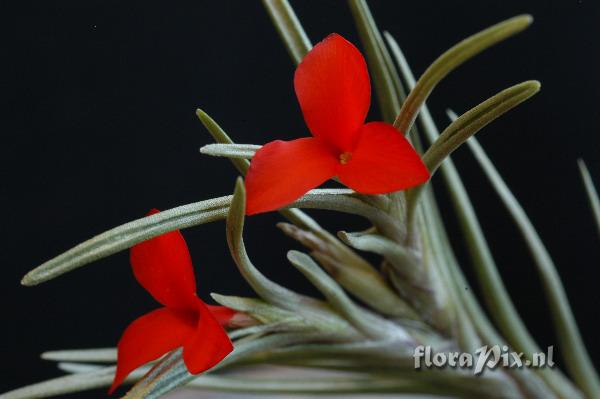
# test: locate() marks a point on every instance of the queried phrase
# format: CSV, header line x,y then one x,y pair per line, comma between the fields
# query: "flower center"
x,y
345,157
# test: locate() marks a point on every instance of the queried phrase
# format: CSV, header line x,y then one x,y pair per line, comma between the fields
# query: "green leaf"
x,y
591,191
258,309
63,385
370,324
268,290
243,151
450,60
221,137
403,259
97,355
129,234
369,287
386,224
493,289
172,372
475,119
571,345
466,126
289,28
385,80
352,272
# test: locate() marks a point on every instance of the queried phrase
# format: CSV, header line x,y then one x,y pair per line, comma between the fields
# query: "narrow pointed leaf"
x,y
451,59
381,67
242,151
265,288
371,288
129,234
591,191
64,385
494,291
576,357
475,119
99,355
352,272
221,137
174,373
257,308
364,321
401,257
289,28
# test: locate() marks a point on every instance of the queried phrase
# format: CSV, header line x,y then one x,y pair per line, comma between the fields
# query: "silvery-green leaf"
x,y
242,151
258,309
493,289
289,28
129,234
451,59
576,357
221,137
370,324
401,257
591,191
72,383
268,290
371,288
263,329
352,272
386,225
466,126
475,119
172,373
96,355
385,80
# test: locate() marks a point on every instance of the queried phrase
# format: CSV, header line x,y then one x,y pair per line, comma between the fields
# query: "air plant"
x,y
361,335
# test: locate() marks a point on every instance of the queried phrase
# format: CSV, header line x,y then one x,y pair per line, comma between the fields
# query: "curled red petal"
x,y
282,171
208,345
151,336
223,314
334,92
382,162
162,265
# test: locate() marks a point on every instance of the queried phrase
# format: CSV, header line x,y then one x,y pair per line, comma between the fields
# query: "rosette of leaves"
x,y
359,337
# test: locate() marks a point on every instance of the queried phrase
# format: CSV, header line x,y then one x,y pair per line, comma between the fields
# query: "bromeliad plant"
x,y
370,319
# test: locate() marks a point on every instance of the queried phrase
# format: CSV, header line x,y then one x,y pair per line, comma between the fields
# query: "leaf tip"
x,y
295,256
535,85
28,280
201,114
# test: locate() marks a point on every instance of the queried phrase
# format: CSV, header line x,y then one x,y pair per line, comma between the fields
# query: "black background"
x,y
98,126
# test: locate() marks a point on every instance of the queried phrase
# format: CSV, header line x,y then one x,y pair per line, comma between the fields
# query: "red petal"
x,y
163,266
151,336
383,162
282,171
208,346
222,313
333,88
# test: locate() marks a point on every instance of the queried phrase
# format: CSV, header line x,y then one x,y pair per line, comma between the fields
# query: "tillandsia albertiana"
x,y
364,334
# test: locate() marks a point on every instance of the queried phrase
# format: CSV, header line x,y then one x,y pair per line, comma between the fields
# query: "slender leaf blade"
x,y
591,191
577,359
450,60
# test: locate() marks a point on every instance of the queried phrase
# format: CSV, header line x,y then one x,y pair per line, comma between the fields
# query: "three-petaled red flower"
x,y
333,89
164,268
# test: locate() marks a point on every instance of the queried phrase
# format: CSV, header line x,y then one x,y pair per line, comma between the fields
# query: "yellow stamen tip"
x,y
345,157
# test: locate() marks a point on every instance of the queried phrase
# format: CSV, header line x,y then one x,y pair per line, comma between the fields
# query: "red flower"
x,y
333,88
163,267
